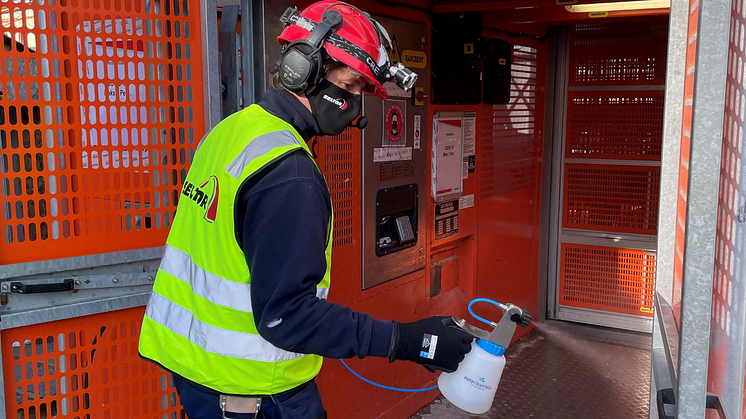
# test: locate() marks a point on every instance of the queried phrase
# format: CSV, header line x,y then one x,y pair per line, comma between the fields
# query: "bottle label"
x,y
478,383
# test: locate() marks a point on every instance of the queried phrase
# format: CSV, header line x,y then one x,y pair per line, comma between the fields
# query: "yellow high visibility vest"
x,y
199,322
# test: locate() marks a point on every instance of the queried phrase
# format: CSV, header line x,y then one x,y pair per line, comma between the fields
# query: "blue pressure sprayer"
x,y
473,385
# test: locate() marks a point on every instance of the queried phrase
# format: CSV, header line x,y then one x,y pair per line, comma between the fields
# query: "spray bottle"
x,y
473,385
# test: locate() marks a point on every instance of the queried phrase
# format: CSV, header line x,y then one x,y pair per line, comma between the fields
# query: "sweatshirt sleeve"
x,y
284,239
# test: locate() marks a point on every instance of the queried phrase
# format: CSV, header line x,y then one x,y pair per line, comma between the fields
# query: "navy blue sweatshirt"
x,y
281,225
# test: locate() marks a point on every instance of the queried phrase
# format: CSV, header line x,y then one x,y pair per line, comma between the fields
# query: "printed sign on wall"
x,y
381,155
446,219
414,59
393,124
417,124
447,154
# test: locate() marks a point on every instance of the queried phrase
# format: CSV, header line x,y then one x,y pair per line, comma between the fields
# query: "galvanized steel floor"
x,y
568,371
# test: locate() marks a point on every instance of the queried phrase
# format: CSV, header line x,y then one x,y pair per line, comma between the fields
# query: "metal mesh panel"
x,y
622,125
100,106
620,199
603,53
608,279
87,368
510,136
339,157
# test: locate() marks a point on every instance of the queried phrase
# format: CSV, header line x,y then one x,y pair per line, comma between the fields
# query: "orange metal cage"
x,y
100,112
603,53
608,279
617,124
84,368
622,199
511,133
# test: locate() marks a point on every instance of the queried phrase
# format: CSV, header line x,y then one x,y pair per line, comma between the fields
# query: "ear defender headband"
x,y
302,62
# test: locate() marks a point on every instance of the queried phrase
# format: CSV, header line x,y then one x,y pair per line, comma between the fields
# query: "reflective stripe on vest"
x,y
213,339
199,321
209,286
258,147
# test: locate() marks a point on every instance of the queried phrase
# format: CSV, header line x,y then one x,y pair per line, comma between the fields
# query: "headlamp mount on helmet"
x,y
301,65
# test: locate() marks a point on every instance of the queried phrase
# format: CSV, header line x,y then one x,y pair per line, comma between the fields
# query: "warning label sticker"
x,y
393,124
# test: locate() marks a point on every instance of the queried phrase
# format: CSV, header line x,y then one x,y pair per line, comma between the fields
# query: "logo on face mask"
x,y
333,108
339,102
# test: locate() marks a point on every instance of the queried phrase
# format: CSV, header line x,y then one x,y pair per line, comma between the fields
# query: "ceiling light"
x,y
620,5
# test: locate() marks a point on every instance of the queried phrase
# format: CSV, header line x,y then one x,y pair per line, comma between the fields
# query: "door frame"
x,y
558,235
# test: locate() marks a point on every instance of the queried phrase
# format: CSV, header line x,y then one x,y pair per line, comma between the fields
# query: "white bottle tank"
x,y
473,385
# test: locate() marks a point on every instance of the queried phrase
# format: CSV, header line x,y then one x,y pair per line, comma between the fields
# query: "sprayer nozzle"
x,y
523,319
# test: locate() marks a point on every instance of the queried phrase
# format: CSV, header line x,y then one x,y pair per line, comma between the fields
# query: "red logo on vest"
x,y
212,209
208,201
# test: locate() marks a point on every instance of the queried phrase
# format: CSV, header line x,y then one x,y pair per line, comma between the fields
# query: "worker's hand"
x,y
434,342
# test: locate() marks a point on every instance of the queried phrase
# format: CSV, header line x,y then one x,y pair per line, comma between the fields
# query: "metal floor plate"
x,y
568,371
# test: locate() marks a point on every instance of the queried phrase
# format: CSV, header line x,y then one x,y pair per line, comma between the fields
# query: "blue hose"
x,y
479,300
476,300
405,390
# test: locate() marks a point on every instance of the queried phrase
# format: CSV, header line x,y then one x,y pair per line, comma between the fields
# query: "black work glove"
x,y
435,342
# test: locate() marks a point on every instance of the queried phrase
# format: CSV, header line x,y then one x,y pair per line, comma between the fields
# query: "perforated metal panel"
x,y
621,199
629,52
622,125
339,158
607,279
510,133
100,110
84,368
611,172
395,170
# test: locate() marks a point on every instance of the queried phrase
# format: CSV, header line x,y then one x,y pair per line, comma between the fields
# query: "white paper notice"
x,y
392,154
447,155
466,201
465,172
417,132
470,137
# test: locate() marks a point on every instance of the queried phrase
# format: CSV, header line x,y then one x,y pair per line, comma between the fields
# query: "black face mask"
x,y
333,107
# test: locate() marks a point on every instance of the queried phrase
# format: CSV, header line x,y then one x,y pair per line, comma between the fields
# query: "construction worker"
x,y
238,312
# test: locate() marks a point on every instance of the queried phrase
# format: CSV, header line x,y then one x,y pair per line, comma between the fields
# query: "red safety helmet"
x,y
357,29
